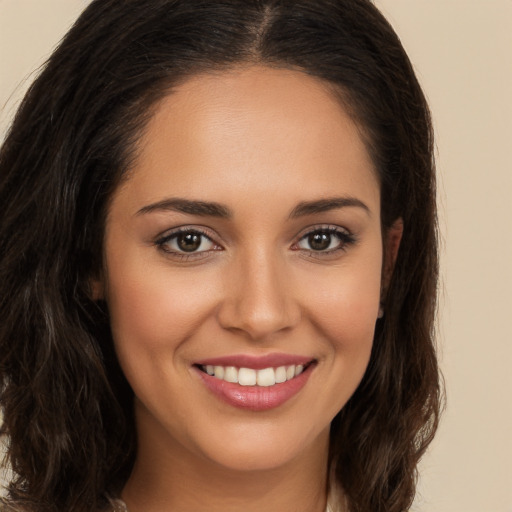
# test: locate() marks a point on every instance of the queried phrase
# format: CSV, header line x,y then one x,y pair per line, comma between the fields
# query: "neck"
x,y
167,477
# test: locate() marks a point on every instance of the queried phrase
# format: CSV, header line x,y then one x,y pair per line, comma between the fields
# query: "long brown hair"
x,y
67,408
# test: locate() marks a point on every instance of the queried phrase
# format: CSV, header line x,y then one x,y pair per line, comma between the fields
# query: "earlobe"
x,y
392,239
97,290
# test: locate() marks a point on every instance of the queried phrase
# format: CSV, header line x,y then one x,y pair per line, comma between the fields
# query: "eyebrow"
x,y
325,205
202,208
212,209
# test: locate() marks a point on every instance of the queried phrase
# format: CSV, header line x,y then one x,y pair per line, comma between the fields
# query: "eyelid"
x,y
323,227
168,235
347,238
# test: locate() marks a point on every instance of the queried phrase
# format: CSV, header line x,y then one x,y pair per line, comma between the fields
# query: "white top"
x,y
120,506
335,496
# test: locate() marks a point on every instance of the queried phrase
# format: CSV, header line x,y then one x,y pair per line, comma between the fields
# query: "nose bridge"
x,y
259,297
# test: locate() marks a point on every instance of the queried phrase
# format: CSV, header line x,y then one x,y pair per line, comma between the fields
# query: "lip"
x,y
255,398
256,362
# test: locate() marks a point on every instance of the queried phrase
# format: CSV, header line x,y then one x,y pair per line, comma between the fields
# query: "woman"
x,y
219,263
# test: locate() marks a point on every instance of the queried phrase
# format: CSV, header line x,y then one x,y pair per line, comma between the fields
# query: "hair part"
x,y
68,416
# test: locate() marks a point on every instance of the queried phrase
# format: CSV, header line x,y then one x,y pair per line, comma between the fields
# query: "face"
x,y
246,243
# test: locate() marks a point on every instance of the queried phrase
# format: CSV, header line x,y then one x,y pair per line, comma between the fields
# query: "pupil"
x,y
319,241
189,242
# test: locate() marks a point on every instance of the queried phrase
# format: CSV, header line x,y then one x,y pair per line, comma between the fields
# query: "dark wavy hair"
x,y
68,419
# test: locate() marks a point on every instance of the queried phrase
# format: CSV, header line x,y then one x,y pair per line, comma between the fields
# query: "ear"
x,y
391,242
97,289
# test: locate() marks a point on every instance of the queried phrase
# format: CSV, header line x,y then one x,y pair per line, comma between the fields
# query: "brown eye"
x,y
187,241
326,240
319,241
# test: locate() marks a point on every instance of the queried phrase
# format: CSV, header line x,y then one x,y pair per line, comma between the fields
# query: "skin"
x,y
259,141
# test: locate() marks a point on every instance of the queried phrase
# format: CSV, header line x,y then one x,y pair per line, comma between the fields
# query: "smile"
x,y
265,377
255,383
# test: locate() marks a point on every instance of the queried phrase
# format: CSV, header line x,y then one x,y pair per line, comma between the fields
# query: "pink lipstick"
x,y
256,383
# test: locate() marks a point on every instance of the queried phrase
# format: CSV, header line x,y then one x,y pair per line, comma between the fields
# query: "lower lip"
x,y
256,398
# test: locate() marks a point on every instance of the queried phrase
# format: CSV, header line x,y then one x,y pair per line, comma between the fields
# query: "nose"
x,y
259,298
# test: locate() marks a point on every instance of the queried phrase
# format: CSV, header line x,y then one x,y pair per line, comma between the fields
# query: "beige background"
x,y
462,53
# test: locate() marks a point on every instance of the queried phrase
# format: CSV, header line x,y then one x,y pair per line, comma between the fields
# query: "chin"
x,y
263,449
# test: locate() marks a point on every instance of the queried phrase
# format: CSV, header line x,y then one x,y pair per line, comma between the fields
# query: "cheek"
x,y
346,303
152,317
152,309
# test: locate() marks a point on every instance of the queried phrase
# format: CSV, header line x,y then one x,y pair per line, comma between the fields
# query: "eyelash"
x,y
345,240
162,244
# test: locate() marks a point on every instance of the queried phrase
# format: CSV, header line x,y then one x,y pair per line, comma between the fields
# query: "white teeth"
x,y
246,377
250,377
231,374
280,375
219,372
266,377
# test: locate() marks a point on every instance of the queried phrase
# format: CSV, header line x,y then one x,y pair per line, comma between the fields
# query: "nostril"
x,y
258,320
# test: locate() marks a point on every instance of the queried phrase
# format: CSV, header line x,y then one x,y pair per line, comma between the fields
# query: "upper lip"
x,y
256,362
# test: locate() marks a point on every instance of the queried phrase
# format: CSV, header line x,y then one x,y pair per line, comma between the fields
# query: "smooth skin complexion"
x,y
249,226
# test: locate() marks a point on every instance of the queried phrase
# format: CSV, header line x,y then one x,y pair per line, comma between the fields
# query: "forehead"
x,y
251,129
